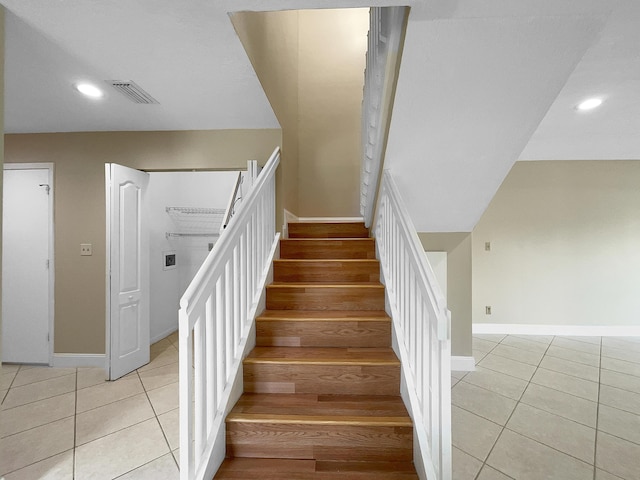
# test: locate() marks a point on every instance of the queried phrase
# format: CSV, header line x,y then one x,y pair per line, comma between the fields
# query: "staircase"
x,y
322,387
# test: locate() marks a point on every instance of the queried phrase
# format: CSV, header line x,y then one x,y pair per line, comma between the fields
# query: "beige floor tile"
x,y
454,381
170,423
591,348
101,421
619,354
483,345
40,390
161,345
482,402
519,355
58,467
108,392
465,467
613,379
158,377
566,383
9,368
24,448
164,398
525,344
602,475
619,423
491,337
618,456
489,473
620,366
580,370
458,374
479,355
525,459
176,456
556,432
173,338
473,434
164,468
38,374
592,340
574,355
2,395
621,399
560,403
159,359
622,343
25,417
88,377
507,366
6,379
497,382
546,339
120,452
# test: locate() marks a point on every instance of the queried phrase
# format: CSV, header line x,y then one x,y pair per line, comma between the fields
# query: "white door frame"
x,y
50,167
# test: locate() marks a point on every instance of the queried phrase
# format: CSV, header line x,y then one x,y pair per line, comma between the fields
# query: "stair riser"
x,y
322,379
324,298
327,230
329,249
327,271
320,442
307,333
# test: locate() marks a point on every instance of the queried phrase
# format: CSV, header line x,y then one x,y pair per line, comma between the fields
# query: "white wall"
x,y
179,189
565,246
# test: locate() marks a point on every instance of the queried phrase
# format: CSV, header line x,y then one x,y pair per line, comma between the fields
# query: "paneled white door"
x,y
128,334
26,240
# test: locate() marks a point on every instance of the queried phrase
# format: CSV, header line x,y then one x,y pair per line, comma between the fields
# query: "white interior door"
x,y
127,270
26,301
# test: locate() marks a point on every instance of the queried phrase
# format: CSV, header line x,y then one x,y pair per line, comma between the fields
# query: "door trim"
x,y
52,274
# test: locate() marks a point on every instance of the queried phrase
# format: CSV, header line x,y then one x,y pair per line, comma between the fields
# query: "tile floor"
x,y
565,408
536,408
68,423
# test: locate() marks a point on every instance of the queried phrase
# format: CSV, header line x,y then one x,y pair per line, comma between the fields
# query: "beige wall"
x,y
458,248
333,45
564,246
271,42
79,160
311,65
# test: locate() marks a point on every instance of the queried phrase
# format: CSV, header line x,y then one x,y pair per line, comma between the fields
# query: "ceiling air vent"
x,y
133,92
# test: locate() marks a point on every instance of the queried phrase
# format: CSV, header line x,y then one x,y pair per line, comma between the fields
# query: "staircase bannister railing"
x,y
383,52
421,323
215,318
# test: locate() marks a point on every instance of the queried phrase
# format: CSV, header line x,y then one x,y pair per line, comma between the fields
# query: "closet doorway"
x,y
27,263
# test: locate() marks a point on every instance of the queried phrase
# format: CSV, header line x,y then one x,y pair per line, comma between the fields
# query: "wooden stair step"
x,y
315,296
291,469
328,230
324,315
325,270
359,371
316,331
342,407
305,248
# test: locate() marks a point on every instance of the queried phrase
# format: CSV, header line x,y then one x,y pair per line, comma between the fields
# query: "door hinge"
x,y
46,186
48,337
47,264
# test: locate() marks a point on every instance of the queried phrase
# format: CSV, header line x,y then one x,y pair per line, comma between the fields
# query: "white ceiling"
x,y
482,83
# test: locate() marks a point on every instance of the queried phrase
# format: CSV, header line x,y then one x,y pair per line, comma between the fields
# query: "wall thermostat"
x,y
169,260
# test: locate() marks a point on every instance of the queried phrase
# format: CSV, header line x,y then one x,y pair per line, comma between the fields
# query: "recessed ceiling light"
x,y
589,104
89,90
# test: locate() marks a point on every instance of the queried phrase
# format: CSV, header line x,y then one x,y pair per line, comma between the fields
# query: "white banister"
x,y
384,39
216,315
422,326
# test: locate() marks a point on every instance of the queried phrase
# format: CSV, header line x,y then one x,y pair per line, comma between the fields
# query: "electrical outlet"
x,y
487,310
86,249
487,246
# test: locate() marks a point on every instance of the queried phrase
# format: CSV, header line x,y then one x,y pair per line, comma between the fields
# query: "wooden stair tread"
x,y
324,315
338,406
322,356
290,469
352,285
328,230
326,261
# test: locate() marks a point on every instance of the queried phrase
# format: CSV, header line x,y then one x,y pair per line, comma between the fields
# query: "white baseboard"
x,y
164,334
74,360
463,364
330,219
574,330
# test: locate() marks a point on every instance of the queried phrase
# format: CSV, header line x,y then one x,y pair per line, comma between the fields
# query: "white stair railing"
x,y
216,315
385,31
422,326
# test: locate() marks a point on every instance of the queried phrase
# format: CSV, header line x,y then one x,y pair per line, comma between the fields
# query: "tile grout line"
x,y
484,463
